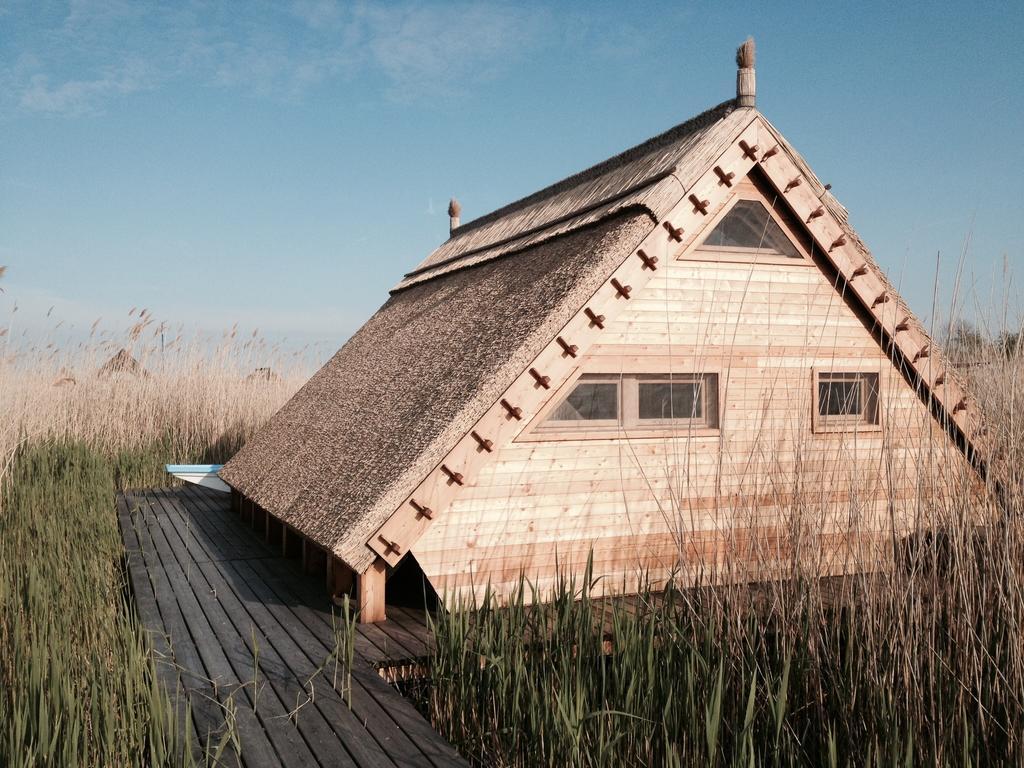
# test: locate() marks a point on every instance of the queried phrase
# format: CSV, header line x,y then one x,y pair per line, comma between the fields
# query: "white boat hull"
x,y
200,474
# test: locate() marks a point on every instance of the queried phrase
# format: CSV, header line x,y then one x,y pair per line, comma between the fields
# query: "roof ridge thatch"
x,y
122,361
664,138
649,174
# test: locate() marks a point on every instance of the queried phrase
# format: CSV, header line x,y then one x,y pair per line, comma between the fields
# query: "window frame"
x,y
629,424
747,190
822,424
578,424
631,421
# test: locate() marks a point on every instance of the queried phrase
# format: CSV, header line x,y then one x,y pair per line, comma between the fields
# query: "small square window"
x,y
846,400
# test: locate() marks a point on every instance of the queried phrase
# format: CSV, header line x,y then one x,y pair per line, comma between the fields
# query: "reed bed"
x,y
77,679
922,663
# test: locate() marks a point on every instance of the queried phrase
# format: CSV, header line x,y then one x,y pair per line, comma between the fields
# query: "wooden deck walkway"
x,y
245,637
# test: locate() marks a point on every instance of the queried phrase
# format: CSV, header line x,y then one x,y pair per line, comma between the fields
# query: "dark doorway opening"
x,y
408,587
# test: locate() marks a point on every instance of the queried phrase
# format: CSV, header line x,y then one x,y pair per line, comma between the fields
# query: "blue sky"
x,y
281,164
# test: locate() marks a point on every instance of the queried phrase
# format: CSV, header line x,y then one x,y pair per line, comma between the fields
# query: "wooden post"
x,y
314,558
274,529
370,593
339,578
292,544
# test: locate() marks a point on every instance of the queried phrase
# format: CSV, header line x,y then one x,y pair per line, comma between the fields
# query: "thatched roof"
x,y
122,363
338,458
649,174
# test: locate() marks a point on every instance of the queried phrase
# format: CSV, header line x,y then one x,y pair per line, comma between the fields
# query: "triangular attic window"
x,y
749,227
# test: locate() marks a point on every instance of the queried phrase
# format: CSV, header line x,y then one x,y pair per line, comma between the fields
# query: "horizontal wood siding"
x,y
720,506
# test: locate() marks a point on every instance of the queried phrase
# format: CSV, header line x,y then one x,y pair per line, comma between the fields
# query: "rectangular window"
x,y
637,401
846,400
691,398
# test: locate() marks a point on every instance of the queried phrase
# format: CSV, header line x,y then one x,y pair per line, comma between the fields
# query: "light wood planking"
x,y
660,502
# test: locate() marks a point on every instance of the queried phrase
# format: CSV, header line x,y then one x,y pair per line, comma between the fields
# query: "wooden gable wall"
x,y
730,503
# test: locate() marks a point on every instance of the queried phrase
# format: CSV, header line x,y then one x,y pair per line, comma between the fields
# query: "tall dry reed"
x,y
77,681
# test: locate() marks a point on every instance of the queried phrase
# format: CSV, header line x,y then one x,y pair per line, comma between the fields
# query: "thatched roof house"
x,y
122,362
500,413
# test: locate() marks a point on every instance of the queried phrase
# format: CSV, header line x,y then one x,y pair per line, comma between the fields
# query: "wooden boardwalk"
x,y
245,637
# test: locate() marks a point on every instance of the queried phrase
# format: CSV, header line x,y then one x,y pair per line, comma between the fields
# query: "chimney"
x,y
454,209
746,85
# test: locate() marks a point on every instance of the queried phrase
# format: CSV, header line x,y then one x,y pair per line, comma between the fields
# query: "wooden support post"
x,y
275,530
339,579
315,559
370,593
291,544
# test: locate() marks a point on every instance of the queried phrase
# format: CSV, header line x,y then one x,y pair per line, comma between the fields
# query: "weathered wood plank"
x,y
195,680
150,620
264,743
295,619
236,632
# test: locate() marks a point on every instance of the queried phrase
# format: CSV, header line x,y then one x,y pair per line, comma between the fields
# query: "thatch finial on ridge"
x,y
454,210
746,84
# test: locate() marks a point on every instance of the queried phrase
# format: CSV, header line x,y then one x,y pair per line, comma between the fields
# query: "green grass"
x,y
77,686
893,678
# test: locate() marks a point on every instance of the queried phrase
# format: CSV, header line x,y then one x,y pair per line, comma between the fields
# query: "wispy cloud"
x,y
435,49
78,97
77,61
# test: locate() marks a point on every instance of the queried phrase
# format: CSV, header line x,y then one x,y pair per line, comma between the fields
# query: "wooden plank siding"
x,y
652,502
